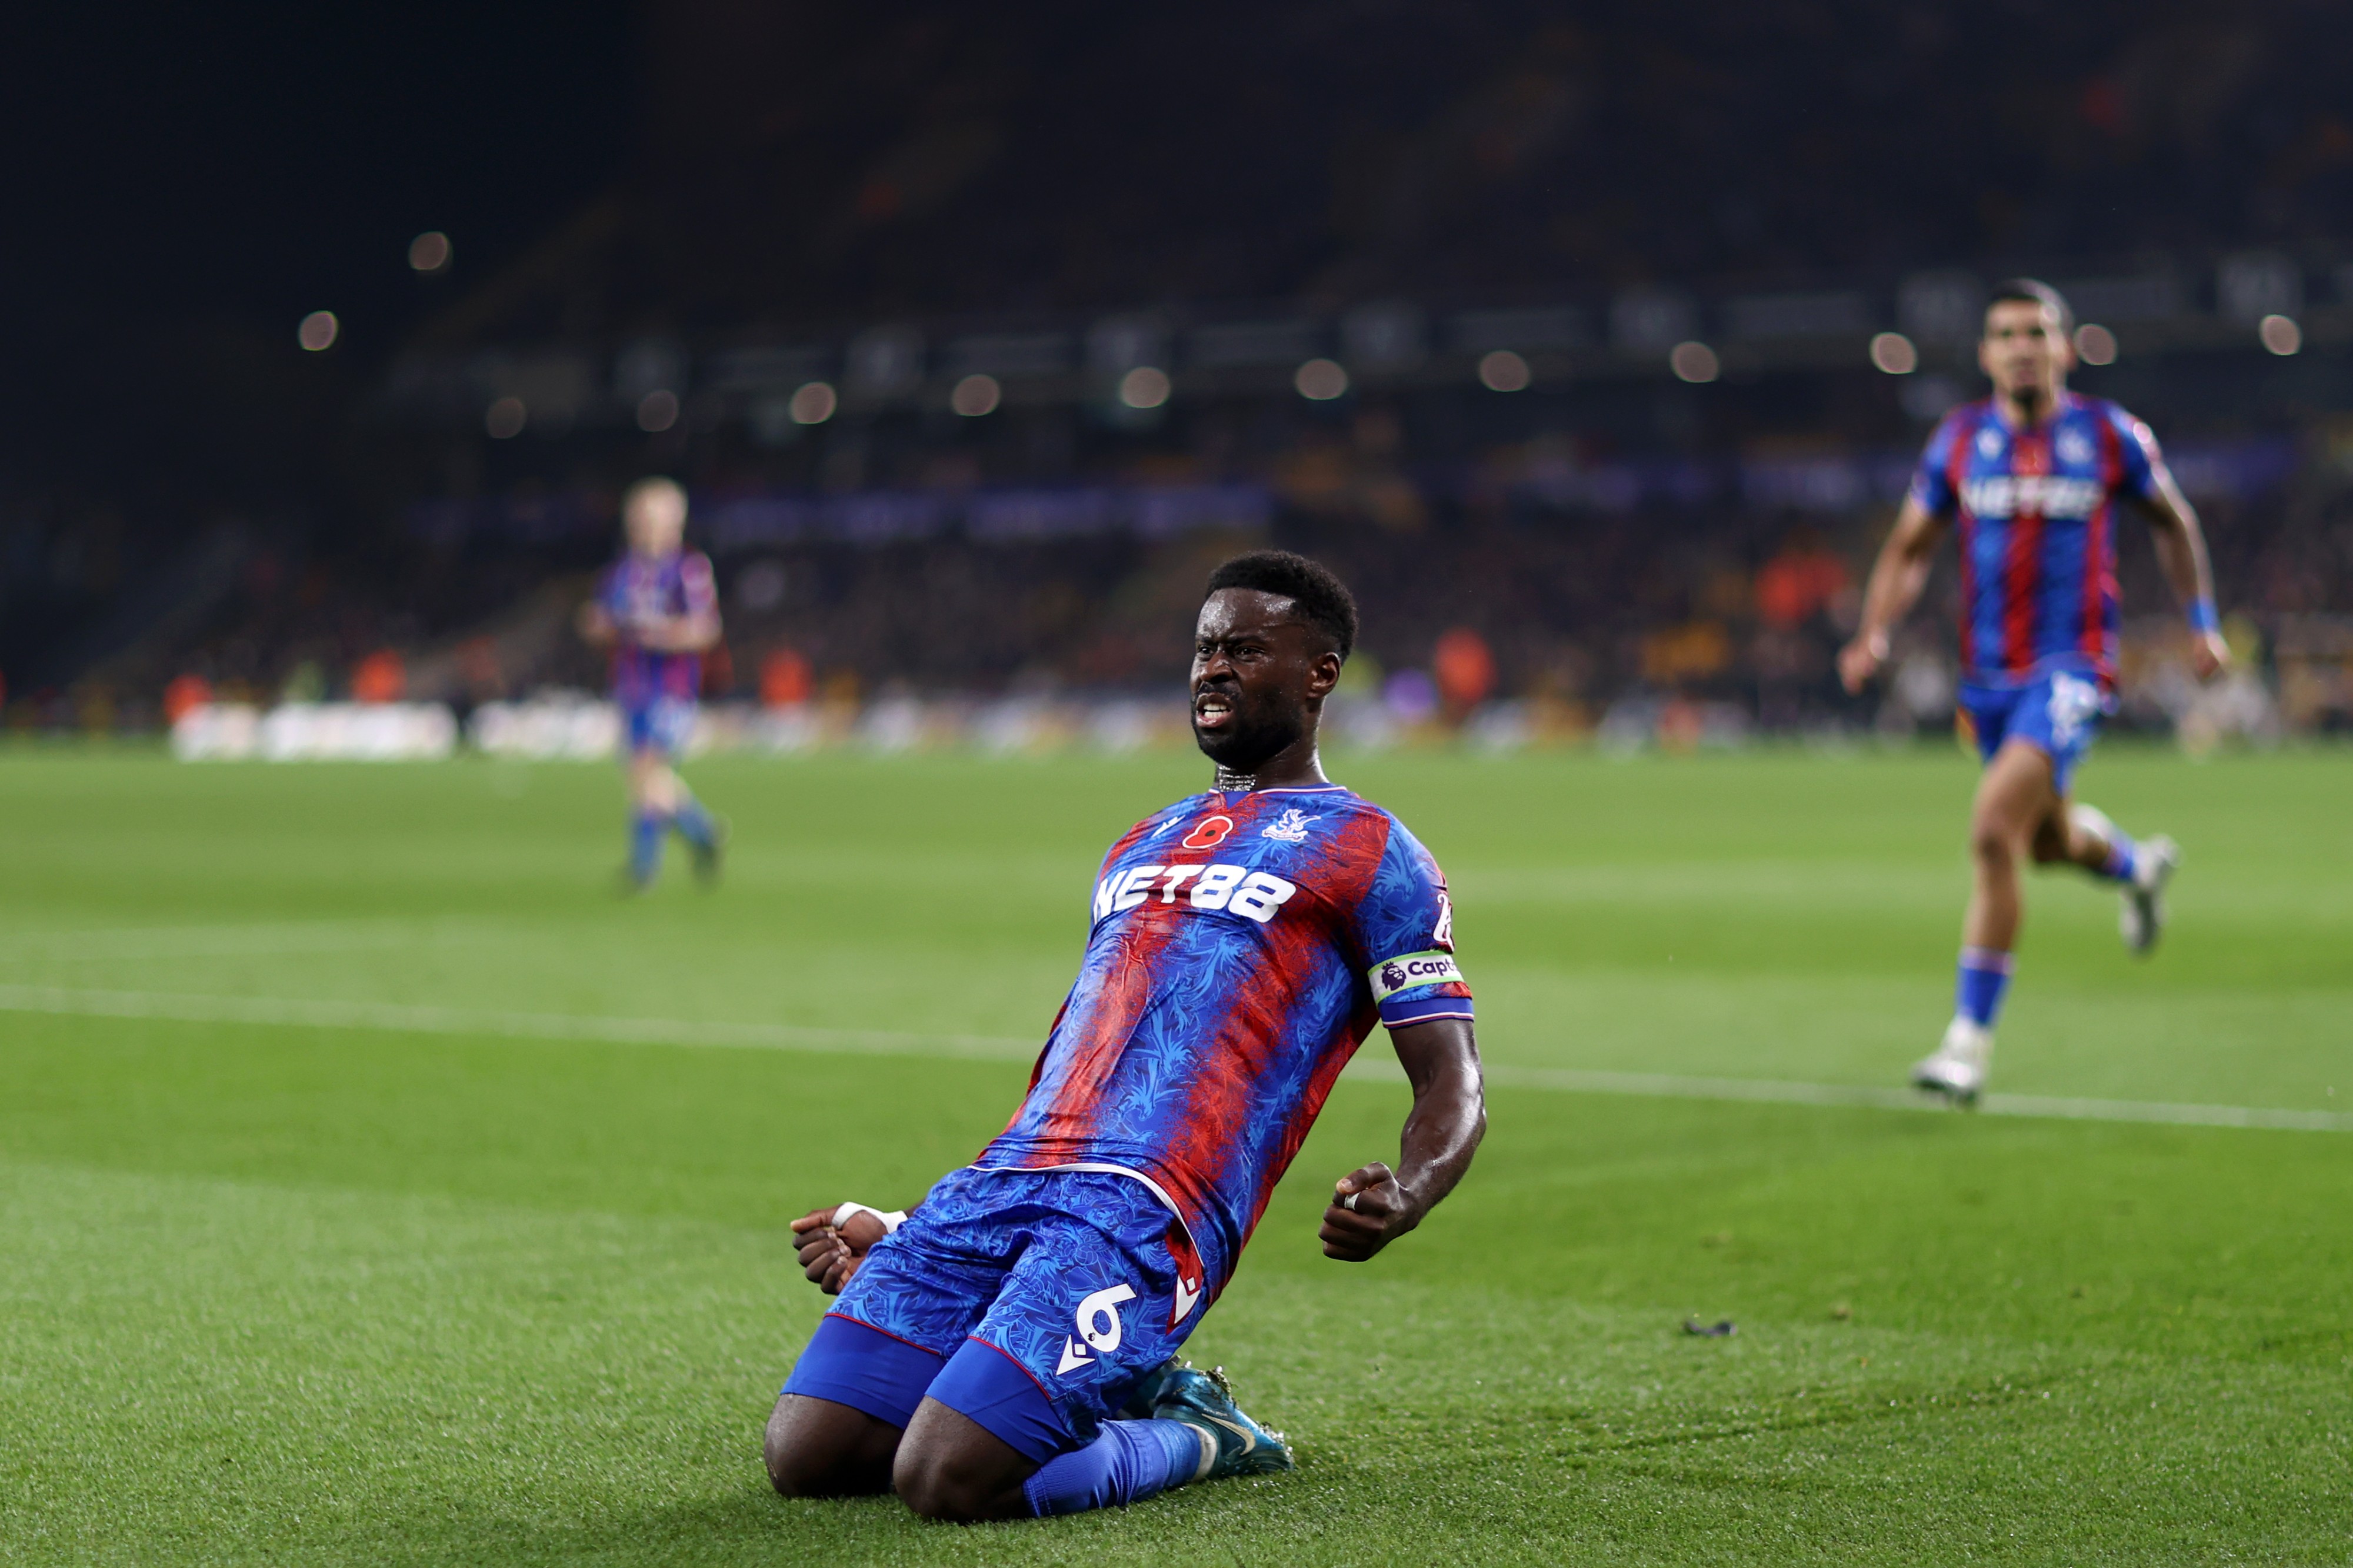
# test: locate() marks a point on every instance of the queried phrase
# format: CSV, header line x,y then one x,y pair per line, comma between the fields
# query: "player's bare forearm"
x,y
1897,579
2181,554
1441,1133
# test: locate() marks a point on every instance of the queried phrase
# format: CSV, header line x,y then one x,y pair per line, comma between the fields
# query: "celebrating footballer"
x,y
2032,476
1007,1348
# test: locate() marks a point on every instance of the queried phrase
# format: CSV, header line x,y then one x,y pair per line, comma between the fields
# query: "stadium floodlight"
x,y
1504,371
430,251
1321,380
975,396
1146,386
2095,344
1695,362
1894,353
319,331
505,418
2280,335
814,403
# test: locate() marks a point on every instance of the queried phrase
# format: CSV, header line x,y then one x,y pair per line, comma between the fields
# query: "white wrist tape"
x,y
891,1221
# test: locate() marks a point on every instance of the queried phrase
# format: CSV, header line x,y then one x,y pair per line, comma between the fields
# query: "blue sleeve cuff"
x,y
2203,616
1399,1011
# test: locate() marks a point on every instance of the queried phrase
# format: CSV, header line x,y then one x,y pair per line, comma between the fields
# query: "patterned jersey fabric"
x,y
639,592
2037,532
1243,946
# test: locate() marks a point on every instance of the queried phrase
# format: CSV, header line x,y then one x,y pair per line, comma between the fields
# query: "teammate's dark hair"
x,y
1322,600
2034,291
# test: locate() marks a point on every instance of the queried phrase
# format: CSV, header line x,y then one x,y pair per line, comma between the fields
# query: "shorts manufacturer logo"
x,y
2073,701
1099,1325
1392,976
1208,833
1291,828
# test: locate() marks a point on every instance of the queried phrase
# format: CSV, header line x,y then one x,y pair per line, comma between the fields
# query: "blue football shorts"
x,y
657,725
2058,714
1032,1301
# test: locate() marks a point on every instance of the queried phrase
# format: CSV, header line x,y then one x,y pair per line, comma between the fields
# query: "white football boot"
x,y
1957,1068
2142,919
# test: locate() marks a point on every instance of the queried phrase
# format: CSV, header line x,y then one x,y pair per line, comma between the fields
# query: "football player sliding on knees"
x,y
2034,477
1008,1348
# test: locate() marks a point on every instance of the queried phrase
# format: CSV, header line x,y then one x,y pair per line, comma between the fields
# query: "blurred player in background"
x,y
1008,1350
2033,475
658,610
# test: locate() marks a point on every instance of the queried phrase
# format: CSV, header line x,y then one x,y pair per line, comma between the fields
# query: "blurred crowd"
x,y
1473,592
1599,543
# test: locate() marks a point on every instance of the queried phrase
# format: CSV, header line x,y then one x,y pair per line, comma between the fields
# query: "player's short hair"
x,y
2034,291
1318,597
649,485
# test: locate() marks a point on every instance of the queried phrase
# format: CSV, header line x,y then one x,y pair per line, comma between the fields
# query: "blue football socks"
x,y
1984,975
645,846
2124,857
694,824
1130,1460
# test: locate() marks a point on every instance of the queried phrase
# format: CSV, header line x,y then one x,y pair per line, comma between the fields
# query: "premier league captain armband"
x,y
1392,976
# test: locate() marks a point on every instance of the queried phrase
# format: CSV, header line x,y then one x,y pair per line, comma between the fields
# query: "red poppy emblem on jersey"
x,y
1208,833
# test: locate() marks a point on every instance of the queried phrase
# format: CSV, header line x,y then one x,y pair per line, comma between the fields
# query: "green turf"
x,y
307,1294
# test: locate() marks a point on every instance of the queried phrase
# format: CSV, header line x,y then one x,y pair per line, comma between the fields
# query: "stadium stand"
x,y
887,325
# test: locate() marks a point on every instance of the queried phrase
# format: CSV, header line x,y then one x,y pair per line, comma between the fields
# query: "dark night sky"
x,y
223,169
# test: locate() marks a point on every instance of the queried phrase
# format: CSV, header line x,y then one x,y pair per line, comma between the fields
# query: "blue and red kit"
x,y
2036,514
655,691
1242,947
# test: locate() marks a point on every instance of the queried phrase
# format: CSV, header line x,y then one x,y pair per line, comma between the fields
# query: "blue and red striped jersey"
x,y
639,591
2037,516
1243,945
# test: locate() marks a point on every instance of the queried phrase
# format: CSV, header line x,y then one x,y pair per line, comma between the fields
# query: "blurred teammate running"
x,y
2032,474
1008,1350
658,611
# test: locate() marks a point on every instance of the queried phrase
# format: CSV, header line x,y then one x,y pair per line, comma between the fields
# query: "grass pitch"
x,y
376,1187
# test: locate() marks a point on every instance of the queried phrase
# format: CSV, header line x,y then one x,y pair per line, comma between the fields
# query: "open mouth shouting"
x,y
1213,711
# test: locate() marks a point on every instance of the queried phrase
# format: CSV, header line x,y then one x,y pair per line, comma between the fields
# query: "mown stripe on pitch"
x,y
402,1018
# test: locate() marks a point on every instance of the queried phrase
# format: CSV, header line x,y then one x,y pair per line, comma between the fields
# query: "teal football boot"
x,y
1203,1401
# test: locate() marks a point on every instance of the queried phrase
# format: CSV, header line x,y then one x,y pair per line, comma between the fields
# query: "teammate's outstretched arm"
x,y
1441,1133
1897,579
2181,552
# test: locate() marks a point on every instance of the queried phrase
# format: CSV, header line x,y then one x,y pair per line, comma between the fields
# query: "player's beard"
x,y
1259,729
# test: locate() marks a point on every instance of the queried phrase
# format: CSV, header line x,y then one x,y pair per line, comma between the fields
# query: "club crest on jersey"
x,y
1208,833
1291,828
